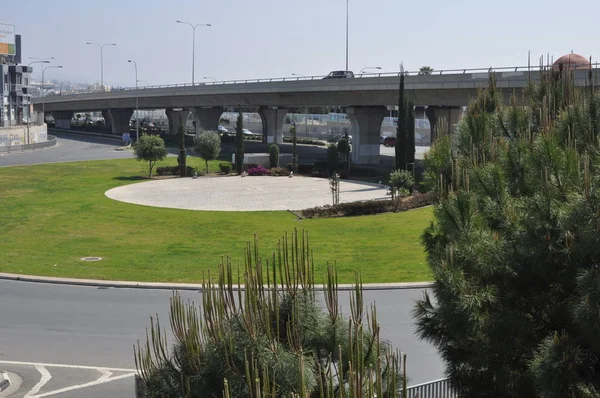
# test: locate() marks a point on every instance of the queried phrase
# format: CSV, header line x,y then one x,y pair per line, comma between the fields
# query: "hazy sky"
x,y
275,38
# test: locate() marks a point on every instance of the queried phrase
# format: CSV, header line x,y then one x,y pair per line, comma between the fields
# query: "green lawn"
x,y
52,215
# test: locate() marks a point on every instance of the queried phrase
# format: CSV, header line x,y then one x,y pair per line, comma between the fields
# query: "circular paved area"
x,y
243,193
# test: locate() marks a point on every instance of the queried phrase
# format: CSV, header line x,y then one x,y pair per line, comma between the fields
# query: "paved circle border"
x,y
186,286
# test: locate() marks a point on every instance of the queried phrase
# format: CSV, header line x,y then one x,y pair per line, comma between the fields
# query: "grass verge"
x,y
52,215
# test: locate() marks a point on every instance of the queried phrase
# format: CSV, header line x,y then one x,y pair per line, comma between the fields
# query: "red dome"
x,y
572,61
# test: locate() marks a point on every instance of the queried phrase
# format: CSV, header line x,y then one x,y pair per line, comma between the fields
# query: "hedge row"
x,y
370,207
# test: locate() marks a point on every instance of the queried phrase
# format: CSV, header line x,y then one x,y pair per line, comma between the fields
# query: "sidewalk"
x,y
186,286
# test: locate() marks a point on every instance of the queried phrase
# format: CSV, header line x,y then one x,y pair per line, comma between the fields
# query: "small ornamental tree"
x,y
273,155
239,143
343,147
151,149
208,146
401,183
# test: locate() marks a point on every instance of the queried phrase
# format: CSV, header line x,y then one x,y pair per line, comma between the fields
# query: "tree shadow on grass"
x,y
131,178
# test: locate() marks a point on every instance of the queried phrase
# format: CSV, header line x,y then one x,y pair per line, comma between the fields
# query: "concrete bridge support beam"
x,y
366,127
118,120
207,118
442,119
420,112
176,117
106,119
272,121
62,120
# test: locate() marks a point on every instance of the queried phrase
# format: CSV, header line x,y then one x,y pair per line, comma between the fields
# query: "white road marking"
x,y
57,365
43,380
101,380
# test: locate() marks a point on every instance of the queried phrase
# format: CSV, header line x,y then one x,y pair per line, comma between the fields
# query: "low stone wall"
x,y
23,135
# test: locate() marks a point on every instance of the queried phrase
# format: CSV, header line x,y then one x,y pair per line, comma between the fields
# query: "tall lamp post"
x,y
193,42
137,104
369,67
101,46
43,105
40,61
305,108
347,27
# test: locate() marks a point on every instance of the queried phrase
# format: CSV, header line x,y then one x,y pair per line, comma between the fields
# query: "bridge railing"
x,y
24,147
433,389
462,71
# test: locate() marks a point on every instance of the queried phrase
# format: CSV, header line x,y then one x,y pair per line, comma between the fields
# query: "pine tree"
x,y
515,247
239,143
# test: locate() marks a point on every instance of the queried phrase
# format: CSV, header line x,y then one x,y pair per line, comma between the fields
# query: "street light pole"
x,y
194,43
43,100
369,67
347,29
101,46
305,108
137,104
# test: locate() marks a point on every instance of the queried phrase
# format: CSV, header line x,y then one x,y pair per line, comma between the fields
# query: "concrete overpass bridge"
x,y
437,96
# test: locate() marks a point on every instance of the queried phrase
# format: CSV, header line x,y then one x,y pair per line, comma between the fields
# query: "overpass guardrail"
x,y
440,72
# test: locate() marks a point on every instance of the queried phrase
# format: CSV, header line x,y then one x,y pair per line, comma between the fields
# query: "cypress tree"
x,y
239,143
410,139
181,159
401,133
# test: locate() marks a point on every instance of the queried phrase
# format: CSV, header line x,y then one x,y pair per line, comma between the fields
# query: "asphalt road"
x,y
70,148
47,324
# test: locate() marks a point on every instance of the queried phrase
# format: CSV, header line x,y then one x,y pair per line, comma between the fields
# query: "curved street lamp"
x,y
369,67
137,103
43,104
194,42
101,46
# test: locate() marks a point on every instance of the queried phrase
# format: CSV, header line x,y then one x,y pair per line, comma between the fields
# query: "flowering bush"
x,y
258,171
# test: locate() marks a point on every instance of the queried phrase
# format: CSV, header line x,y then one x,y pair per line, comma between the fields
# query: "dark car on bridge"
x,y
340,74
389,141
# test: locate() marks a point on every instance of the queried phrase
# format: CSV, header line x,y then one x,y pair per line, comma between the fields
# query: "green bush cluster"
x,y
225,168
370,207
273,155
306,141
174,170
279,171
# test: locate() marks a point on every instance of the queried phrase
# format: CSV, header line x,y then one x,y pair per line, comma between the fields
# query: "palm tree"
x,y
425,70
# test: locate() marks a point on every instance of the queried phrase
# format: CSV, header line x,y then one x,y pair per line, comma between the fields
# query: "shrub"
x,y
258,171
150,148
225,168
279,171
174,170
401,183
306,141
370,207
273,155
208,146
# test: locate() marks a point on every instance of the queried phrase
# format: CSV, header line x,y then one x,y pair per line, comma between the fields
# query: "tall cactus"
x,y
262,332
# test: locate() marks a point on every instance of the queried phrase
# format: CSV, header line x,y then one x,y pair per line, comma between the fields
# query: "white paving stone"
x,y
236,193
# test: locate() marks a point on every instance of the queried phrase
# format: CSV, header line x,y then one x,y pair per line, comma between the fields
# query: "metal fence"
x,y
433,389
37,145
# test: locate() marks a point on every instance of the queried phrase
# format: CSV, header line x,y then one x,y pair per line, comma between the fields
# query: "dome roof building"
x,y
572,61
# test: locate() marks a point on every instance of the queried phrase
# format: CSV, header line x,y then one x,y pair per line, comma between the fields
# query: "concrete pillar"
x,y
420,112
118,119
366,128
106,119
442,119
207,118
176,117
272,123
62,120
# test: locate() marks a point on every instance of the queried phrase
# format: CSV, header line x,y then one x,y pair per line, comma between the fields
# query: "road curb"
x,y
185,286
4,381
